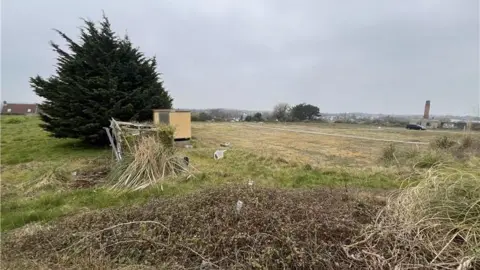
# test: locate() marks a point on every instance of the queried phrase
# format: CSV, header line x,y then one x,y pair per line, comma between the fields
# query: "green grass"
x,y
51,205
28,154
24,141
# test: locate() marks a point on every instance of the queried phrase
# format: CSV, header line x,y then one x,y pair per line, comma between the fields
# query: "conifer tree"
x,y
100,77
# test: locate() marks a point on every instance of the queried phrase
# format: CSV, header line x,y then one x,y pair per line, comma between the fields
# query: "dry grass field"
x,y
318,150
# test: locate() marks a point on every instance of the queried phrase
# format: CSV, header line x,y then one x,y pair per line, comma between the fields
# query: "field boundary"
x,y
337,135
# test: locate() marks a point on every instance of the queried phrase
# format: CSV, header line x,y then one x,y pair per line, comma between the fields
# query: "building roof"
x,y
18,108
170,110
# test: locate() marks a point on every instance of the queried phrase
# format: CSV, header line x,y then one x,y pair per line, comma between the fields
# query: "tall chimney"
x,y
426,113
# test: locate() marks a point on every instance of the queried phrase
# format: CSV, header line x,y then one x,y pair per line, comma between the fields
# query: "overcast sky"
x,y
372,56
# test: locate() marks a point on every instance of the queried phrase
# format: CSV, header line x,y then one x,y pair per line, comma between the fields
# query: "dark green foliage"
x,y
100,77
257,117
304,111
166,135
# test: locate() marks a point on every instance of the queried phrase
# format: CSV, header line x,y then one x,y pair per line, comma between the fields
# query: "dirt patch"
x,y
89,178
273,229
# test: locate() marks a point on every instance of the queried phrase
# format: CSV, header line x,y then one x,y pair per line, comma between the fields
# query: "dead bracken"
x,y
276,229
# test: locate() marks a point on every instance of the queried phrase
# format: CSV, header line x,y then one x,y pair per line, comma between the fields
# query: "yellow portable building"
x,y
180,119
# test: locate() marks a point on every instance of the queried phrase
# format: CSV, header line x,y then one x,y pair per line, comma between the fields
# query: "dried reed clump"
x,y
433,225
151,158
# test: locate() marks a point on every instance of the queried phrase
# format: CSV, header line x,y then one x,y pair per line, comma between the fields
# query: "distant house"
x,y
428,123
448,125
19,108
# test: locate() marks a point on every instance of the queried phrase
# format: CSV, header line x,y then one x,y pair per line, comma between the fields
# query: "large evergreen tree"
x,y
100,77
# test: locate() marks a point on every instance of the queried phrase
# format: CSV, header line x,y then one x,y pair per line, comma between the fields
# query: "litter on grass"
x,y
219,154
238,207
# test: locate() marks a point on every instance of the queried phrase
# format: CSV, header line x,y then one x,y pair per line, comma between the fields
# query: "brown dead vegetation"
x,y
275,229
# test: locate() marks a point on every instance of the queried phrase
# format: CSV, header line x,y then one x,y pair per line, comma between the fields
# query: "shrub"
x,y
466,142
443,142
467,147
388,153
257,117
166,136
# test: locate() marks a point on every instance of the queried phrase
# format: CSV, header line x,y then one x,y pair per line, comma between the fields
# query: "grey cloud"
x,y
370,56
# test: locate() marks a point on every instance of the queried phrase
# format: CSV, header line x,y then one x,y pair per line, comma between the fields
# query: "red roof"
x,y
11,108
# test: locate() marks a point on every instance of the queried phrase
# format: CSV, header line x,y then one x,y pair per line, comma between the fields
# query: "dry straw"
x,y
150,159
434,224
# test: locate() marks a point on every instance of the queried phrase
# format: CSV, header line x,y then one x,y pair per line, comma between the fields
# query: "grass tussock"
x,y
443,142
388,154
432,225
442,150
470,144
413,157
273,229
430,159
15,120
150,161
54,179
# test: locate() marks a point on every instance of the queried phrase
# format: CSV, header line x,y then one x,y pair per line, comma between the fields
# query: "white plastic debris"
x,y
239,206
250,182
188,146
206,265
74,173
218,154
226,144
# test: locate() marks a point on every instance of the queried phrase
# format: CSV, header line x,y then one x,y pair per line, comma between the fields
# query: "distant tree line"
x,y
299,112
257,117
202,117
281,112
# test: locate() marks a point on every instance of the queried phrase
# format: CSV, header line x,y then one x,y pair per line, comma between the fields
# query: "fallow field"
x,y
297,182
